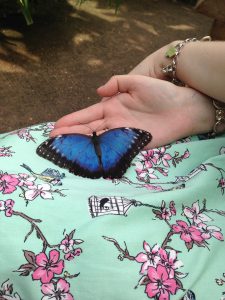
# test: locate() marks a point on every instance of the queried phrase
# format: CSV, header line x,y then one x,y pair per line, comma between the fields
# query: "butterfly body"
x,y
107,155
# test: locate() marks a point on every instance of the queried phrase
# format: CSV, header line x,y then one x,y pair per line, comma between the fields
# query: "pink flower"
x,y
7,207
6,152
189,234
160,285
209,231
143,173
8,183
163,157
172,208
221,183
25,179
44,190
164,213
169,260
150,258
66,244
47,267
195,214
149,158
75,252
186,154
49,126
25,134
57,291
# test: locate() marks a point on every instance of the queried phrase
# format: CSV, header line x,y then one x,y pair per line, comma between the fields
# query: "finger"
x,y
98,125
118,84
86,115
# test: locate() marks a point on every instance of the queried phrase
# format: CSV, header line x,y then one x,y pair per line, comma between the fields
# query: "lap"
x,y
157,232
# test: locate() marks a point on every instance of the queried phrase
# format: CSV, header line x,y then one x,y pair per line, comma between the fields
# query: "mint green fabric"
x,y
156,233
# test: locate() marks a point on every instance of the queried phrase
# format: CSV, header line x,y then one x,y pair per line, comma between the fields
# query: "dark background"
x,y
54,66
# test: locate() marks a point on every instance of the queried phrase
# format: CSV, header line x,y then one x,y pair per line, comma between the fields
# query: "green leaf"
x,y
24,4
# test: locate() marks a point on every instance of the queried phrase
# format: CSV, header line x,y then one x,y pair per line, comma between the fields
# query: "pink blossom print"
x,y
172,208
163,157
47,128
25,179
8,183
160,285
189,234
195,214
144,173
155,162
210,231
7,207
25,134
164,213
149,158
56,291
149,258
71,255
7,291
48,267
43,190
169,260
6,151
66,244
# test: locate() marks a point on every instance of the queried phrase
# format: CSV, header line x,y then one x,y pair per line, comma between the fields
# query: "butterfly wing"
x,y
74,152
118,148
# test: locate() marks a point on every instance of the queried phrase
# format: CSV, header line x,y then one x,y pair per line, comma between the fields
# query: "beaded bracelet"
x,y
173,53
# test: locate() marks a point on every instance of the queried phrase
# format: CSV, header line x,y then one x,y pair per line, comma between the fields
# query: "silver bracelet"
x,y
173,53
219,126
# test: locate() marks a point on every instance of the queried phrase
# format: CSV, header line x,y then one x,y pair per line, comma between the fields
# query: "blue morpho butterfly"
x,y
107,155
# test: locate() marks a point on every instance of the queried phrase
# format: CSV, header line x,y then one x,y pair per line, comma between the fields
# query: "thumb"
x,y
118,84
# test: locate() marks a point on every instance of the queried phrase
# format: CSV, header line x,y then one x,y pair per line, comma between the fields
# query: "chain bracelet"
x,y
173,53
219,126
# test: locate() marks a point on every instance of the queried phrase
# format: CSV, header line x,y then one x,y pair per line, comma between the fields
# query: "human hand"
x,y
153,64
167,111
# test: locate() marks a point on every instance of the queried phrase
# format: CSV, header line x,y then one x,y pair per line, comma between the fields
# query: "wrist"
x,y
161,61
199,114
176,53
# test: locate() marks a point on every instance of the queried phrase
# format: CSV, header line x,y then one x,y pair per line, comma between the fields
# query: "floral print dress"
x,y
156,233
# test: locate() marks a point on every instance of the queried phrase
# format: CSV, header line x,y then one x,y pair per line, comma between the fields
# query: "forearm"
x,y
201,65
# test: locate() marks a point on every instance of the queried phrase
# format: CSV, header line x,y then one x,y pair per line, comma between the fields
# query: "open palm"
x,y
167,111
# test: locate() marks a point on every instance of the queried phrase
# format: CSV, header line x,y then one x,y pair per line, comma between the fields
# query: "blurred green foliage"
x,y
27,7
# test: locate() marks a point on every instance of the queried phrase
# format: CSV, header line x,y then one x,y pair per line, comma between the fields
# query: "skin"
x,y
147,103
145,99
201,65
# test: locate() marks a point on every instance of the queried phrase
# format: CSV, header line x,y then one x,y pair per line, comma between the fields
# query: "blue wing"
x,y
118,147
75,152
107,155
